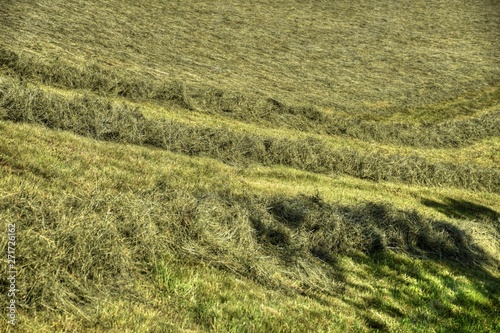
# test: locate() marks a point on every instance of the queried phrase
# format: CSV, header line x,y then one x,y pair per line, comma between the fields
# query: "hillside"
x,y
292,166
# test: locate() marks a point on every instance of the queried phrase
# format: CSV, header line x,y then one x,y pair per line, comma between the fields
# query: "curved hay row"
x,y
268,111
96,117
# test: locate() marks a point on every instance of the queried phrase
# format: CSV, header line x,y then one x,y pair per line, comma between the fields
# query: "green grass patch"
x,y
125,227
251,167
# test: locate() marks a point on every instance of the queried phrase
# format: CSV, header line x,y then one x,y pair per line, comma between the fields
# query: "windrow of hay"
x,y
271,112
100,239
361,56
98,118
160,158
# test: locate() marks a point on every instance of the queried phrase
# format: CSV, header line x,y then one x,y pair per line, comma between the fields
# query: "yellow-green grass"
x,y
453,123
339,54
125,237
238,143
222,166
482,153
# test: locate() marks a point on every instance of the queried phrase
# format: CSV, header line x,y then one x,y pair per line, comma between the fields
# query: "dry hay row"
x,y
96,117
271,227
264,111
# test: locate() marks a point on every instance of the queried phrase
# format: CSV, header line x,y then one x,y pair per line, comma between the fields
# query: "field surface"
x,y
229,166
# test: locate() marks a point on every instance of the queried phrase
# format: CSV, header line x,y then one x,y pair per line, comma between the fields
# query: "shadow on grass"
x,y
421,294
385,241
462,209
371,228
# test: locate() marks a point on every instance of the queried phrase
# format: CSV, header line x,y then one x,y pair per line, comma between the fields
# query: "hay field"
x,y
221,166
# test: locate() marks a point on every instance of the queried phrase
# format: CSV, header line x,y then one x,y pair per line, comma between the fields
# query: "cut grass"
x,y
277,167
269,112
98,118
340,55
127,225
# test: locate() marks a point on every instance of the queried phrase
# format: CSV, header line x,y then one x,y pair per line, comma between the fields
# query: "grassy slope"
x,y
129,229
241,186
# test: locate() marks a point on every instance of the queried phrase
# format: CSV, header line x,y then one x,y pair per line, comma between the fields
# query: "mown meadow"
x,y
294,166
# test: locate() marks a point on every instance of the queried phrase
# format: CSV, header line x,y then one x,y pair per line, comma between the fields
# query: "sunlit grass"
x,y
252,166
90,184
